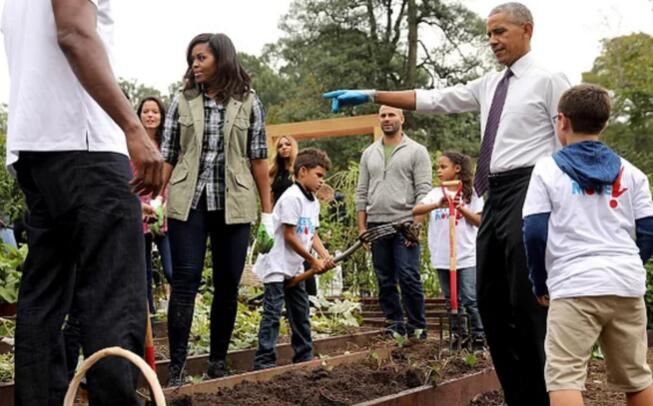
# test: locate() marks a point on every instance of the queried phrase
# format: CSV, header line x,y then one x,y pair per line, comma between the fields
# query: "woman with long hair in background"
x,y
151,112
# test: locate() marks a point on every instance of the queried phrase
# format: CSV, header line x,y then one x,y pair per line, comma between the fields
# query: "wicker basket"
x,y
150,375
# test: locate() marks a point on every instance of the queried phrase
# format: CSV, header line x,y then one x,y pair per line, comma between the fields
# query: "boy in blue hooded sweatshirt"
x,y
588,229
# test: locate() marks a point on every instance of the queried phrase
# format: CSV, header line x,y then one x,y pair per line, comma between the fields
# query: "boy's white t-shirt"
x,y
591,249
282,262
439,232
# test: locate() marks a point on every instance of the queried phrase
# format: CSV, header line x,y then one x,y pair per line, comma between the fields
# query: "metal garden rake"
x,y
409,229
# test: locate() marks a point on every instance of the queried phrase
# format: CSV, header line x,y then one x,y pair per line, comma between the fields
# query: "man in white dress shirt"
x,y
517,107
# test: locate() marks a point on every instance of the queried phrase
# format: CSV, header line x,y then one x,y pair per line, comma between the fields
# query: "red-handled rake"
x,y
456,318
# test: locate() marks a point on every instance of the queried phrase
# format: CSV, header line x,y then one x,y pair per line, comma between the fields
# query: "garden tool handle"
x,y
453,276
150,356
308,273
150,375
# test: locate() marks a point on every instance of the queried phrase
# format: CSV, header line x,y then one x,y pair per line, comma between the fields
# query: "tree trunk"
x,y
411,63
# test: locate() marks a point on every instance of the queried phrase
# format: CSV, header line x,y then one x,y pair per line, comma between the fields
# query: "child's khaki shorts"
x,y
617,323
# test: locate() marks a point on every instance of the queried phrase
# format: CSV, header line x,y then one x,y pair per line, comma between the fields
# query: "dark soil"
x,y
596,393
409,367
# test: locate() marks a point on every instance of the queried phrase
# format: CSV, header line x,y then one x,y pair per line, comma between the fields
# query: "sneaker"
x,y
175,377
478,343
217,369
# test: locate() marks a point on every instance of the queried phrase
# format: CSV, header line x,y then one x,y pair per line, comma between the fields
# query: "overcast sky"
x,y
151,35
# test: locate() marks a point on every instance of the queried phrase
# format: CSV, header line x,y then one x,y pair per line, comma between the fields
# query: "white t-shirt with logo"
x,y
282,262
49,110
591,250
439,232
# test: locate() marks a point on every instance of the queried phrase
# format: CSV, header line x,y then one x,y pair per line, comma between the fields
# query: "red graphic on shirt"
x,y
617,191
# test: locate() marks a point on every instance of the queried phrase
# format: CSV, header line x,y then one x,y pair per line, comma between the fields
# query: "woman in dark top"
x,y
281,171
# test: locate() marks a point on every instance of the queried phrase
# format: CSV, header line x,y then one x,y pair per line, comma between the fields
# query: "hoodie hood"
x,y
590,163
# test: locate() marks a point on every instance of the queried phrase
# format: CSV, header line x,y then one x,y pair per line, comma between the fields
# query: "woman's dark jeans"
x,y
297,311
466,282
188,245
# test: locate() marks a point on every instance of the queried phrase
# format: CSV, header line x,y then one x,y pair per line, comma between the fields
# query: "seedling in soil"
x,y
471,360
400,340
377,359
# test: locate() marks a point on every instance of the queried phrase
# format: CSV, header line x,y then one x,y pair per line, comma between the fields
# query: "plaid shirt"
x,y
212,160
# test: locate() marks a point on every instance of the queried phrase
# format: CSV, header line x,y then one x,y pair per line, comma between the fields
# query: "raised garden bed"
x,y
243,360
369,376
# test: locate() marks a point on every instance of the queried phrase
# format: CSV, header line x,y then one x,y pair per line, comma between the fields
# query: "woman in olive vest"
x,y
215,150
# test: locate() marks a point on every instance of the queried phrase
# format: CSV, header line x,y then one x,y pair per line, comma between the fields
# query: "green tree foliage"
x,y
331,44
625,66
136,91
11,198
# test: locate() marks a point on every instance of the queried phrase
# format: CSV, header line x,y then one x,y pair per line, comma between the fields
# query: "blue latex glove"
x,y
348,98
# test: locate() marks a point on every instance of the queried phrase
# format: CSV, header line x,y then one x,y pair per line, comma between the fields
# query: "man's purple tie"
x,y
491,126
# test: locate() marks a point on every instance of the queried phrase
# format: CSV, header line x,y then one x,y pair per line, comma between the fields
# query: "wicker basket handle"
x,y
149,374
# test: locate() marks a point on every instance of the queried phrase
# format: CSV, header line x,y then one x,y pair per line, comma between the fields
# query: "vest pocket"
x,y
243,182
185,120
179,174
241,123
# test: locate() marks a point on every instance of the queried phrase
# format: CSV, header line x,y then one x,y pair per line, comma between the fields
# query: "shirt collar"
x,y
521,65
404,140
310,196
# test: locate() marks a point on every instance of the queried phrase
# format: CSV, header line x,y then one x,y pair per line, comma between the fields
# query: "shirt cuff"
x,y
258,154
423,100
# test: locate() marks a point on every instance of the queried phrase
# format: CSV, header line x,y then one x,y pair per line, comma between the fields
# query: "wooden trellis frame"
x,y
328,128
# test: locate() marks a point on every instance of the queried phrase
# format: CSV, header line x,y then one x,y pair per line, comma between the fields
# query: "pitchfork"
x,y
409,229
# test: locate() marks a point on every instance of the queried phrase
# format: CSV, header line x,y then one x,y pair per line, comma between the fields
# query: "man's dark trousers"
x,y
85,239
397,264
515,325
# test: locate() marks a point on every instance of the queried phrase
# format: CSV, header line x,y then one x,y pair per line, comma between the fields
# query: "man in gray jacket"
x,y
395,173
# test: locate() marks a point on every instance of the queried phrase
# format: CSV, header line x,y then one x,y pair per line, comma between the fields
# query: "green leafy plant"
x,y
7,327
470,360
329,318
7,367
11,262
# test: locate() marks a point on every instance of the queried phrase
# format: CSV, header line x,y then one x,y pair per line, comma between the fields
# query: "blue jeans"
x,y
297,310
396,264
228,250
163,244
466,278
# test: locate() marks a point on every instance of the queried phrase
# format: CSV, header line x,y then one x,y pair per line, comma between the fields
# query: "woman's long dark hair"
x,y
466,174
162,110
231,79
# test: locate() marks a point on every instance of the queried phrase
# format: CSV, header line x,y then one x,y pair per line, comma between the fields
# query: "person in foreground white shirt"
x,y
517,107
70,132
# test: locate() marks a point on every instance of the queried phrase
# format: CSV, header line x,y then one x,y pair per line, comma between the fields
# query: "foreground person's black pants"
x,y
515,325
85,239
